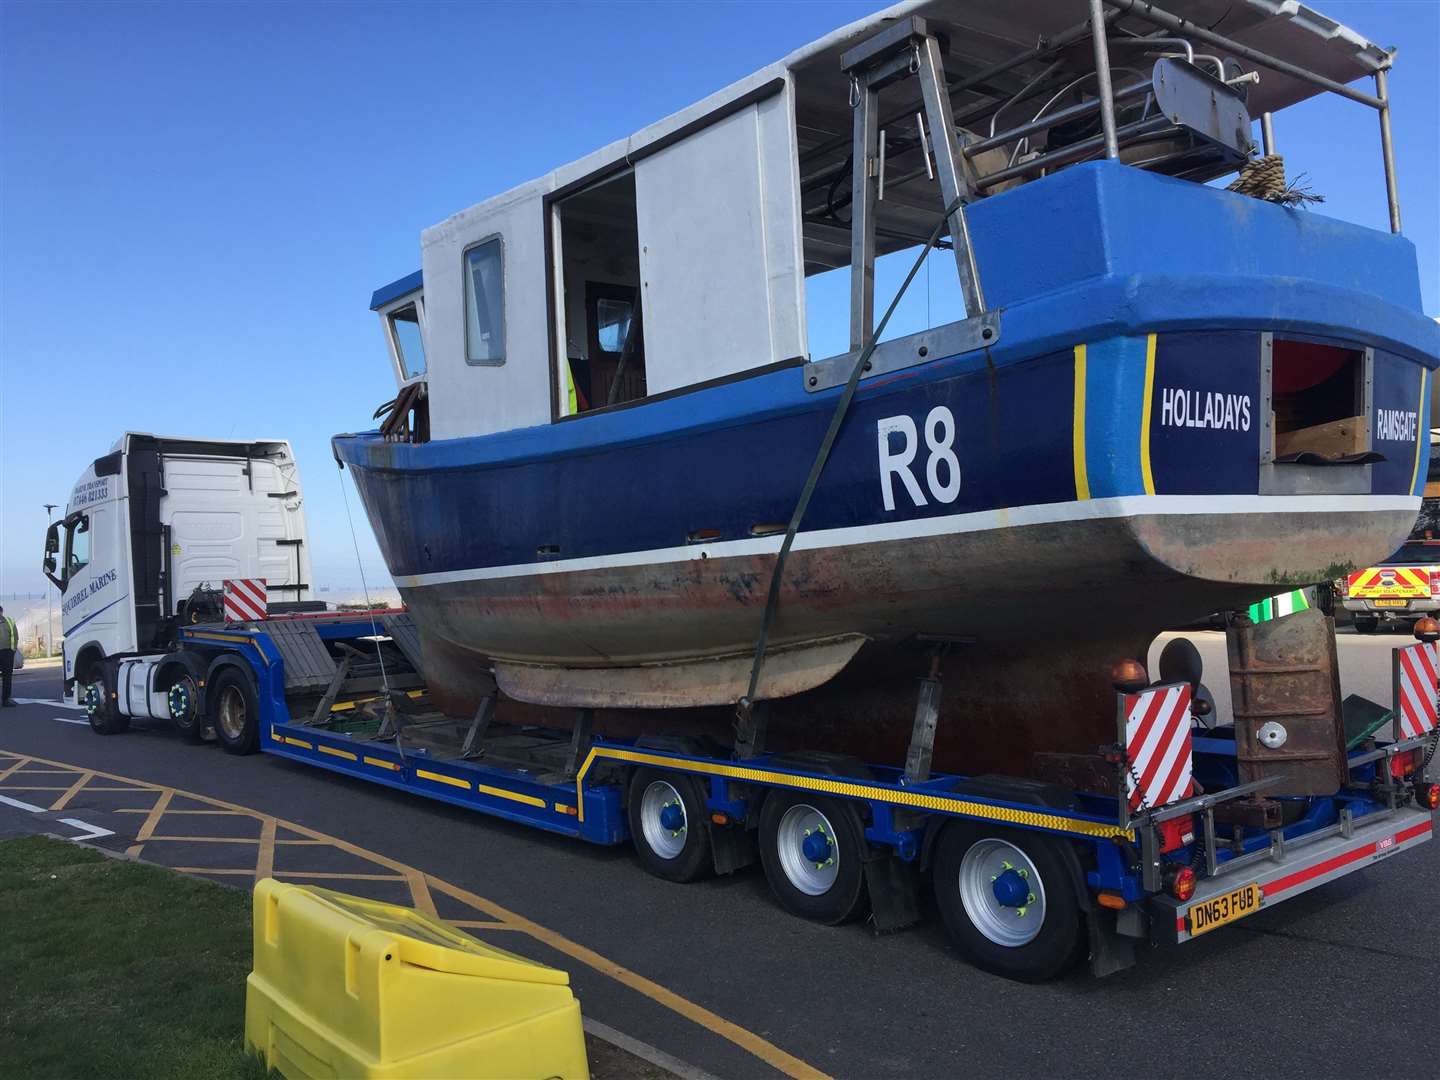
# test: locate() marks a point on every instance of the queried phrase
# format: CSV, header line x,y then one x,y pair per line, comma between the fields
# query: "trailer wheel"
x,y
668,825
105,719
813,852
1008,901
234,711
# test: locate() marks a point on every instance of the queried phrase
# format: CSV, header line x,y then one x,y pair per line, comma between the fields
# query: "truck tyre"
x,y
669,825
813,850
1366,624
189,718
1008,900
105,719
234,710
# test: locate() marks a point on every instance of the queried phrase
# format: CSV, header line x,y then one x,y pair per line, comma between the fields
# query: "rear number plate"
x,y
1236,904
1391,603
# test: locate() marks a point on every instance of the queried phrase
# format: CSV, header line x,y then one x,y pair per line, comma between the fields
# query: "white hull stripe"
x,y
913,528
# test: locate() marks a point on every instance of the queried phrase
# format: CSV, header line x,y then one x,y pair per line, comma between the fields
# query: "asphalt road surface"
x,y
1339,982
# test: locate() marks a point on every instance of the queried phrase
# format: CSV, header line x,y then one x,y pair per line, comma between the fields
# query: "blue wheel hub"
x,y
816,847
1011,890
672,817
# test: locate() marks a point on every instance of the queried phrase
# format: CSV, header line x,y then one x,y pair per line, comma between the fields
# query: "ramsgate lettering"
x,y
1395,425
1180,407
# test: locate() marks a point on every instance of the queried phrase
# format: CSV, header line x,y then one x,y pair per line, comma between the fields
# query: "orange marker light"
x,y
1113,901
1129,676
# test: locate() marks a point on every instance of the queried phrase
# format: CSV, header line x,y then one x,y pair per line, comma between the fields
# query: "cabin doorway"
x,y
597,249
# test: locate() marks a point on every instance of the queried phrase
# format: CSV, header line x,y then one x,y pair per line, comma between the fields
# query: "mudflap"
x,y
1110,951
894,892
731,848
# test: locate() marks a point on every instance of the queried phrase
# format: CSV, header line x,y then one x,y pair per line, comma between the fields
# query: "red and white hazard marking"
x,y
1157,743
1416,670
245,599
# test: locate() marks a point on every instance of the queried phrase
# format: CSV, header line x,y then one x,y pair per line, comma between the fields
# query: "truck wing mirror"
x,y
52,548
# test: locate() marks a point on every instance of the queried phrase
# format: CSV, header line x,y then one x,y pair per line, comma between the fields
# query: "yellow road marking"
x,y
419,893
64,800
739,1036
265,855
1077,435
206,839
481,924
208,813
767,1052
1145,475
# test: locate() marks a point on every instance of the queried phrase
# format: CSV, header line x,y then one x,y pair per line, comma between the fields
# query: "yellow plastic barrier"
x,y
347,987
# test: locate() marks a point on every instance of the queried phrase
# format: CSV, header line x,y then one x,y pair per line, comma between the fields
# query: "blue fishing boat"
x,y
1163,398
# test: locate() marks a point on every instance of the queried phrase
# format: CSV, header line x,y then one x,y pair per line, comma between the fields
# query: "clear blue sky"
x,y
197,199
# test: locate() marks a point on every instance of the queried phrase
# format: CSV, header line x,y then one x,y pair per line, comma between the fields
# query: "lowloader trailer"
x,y
1176,830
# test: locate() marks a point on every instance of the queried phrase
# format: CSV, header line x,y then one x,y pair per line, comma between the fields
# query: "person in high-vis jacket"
x,y
9,642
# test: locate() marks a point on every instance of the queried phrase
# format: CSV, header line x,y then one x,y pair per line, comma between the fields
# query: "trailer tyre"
x,y
813,850
234,710
669,825
105,719
1008,900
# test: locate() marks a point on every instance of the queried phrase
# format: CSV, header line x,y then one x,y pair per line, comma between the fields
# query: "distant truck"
x,y
1402,588
151,532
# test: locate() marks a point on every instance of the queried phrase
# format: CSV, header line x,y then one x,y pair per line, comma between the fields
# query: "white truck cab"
x,y
151,532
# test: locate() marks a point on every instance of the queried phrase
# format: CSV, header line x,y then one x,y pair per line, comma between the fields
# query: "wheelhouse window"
x,y
404,323
485,303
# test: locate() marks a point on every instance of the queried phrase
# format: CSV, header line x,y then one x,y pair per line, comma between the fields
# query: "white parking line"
x,y
92,831
69,720
21,805
47,701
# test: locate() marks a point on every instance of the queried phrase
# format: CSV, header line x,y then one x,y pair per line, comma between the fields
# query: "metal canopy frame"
x,y
900,151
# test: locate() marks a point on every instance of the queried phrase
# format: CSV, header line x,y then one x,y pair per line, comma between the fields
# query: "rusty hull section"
x,y
1285,672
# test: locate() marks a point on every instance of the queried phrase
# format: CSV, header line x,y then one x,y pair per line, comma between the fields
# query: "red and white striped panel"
x,y
1416,671
1157,743
245,599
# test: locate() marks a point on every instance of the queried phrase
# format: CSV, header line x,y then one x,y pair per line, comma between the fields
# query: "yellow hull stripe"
x,y
1422,435
1082,480
919,800
513,796
1145,475
440,778
336,752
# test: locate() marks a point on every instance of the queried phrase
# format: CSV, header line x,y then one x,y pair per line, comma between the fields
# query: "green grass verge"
x,y
111,968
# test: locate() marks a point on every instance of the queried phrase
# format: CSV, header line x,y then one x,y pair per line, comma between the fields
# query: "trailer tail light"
x,y
1404,763
1180,882
1428,796
1177,833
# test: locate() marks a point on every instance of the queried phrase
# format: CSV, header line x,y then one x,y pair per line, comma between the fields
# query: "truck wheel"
x,y
234,711
813,852
668,825
1365,624
183,699
100,708
1008,901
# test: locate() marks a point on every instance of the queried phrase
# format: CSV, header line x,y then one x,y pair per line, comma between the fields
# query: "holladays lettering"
x,y
1180,407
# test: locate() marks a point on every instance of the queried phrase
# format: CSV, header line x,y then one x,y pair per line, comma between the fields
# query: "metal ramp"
x,y
403,632
308,664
